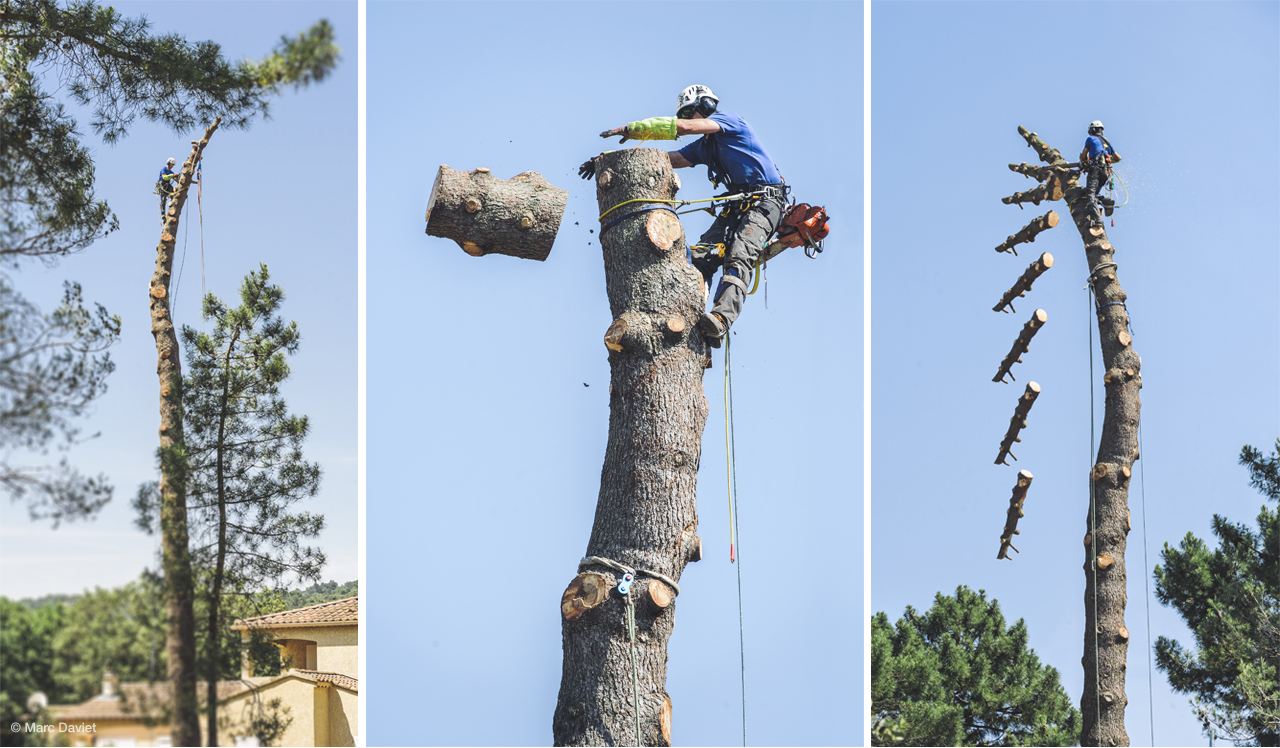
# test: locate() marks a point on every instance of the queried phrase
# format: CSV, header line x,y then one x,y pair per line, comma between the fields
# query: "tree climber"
x,y
165,185
735,157
1096,158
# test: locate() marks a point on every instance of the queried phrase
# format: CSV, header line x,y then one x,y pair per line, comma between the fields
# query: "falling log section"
x,y
1029,232
486,215
1014,514
1106,641
179,595
646,514
1023,284
1021,345
1018,422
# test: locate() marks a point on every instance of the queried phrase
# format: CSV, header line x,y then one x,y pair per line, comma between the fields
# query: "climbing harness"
x,y
629,606
731,475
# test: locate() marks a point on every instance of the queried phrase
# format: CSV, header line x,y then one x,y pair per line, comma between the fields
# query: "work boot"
x,y
713,328
1108,204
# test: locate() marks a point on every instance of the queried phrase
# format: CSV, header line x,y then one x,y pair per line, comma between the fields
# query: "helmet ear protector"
x,y
705,106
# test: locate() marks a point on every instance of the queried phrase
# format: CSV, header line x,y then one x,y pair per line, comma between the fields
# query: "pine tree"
x,y
957,676
244,457
1230,599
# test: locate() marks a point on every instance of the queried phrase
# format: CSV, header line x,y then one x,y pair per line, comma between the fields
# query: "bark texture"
x,y
646,514
180,638
1014,514
486,215
1023,284
1106,643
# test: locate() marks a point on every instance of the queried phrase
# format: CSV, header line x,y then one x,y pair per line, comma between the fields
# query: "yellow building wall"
x,y
317,712
337,647
344,719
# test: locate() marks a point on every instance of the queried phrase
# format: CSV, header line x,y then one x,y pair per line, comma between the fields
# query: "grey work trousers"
x,y
744,234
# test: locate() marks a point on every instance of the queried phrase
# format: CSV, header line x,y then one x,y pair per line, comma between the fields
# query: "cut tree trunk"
x,y
1018,422
1021,345
646,513
1014,513
1029,232
1023,284
1105,649
486,215
180,638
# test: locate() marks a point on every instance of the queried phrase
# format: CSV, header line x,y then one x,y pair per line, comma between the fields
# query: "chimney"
x,y
109,682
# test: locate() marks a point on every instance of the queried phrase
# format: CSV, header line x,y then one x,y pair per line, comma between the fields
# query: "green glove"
x,y
654,128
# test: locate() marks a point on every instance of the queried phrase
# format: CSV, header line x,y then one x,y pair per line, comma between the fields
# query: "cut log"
x,y
1104,562
1045,173
1033,271
1018,422
586,591
1014,512
659,594
486,215
1028,233
1021,345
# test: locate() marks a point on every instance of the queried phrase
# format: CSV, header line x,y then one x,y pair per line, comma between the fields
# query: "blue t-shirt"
x,y
734,155
166,184
1095,145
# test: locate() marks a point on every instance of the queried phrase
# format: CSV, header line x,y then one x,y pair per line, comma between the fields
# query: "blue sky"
x,y
1188,93
485,448
282,192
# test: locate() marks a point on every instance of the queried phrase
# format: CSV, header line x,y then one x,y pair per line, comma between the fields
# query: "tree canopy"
x,y
52,366
957,676
1230,599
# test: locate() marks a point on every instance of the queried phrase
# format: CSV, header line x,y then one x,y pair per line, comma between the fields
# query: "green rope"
x,y
733,505
630,604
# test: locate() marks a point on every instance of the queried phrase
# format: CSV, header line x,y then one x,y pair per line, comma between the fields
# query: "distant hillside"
x,y
32,603
322,592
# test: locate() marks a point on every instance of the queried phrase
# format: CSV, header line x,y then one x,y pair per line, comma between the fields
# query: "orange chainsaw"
x,y
803,225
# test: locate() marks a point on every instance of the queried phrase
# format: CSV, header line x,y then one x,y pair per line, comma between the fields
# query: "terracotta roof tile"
x,y
337,679
336,611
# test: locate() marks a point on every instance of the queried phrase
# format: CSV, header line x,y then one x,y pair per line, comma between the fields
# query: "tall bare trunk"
x,y
179,578
1106,638
646,514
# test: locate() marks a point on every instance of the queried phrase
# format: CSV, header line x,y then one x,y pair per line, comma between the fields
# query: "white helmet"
x,y
699,98
1095,125
170,162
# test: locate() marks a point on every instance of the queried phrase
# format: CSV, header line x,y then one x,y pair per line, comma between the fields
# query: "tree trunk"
x,y
487,215
220,566
1106,644
646,514
180,641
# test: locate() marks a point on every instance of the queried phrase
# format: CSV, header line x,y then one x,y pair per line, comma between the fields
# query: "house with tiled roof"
x,y
128,714
312,702
317,688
